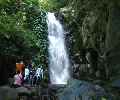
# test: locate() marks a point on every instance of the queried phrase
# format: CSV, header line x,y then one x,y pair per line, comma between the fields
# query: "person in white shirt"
x,y
26,75
39,75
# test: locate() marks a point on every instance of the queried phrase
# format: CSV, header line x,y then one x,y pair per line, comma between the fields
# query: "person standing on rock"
x,y
27,75
31,75
19,66
39,75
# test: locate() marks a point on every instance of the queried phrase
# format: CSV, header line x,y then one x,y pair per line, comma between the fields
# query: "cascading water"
x,y
58,57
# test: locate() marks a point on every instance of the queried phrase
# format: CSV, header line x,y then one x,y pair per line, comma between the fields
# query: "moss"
x,y
56,96
78,45
112,79
115,91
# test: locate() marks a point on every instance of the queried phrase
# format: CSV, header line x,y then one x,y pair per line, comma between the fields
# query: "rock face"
x,y
112,39
99,32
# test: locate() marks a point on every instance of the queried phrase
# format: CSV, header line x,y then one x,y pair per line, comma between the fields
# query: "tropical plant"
x,y
36,22
16,42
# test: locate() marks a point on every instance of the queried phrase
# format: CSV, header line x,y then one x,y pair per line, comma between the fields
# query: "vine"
x,y
36,22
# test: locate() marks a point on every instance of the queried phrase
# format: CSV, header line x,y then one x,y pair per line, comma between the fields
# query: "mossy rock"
x,y
113,61
114,90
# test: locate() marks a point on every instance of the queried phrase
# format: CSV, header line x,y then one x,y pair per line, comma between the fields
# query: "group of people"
x,y
31,75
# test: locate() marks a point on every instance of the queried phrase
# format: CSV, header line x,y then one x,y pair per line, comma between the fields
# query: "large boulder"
x,y
22,91
7,93
82,90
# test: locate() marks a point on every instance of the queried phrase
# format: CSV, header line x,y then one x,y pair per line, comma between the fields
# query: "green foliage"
x,y
45,73
16,42
36,22
53,5
103,99
11,6
111,80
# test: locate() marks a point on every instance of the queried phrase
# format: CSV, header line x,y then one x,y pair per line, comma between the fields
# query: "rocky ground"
x,y
73,90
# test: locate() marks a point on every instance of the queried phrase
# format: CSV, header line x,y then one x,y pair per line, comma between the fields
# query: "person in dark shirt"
x,y
32,75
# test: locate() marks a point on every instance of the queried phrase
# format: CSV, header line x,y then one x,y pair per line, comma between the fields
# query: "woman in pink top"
x,y
17,80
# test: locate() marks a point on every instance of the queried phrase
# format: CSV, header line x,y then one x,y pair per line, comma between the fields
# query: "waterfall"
x,y
58,56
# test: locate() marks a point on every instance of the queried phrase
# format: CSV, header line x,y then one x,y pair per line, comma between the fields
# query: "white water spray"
x,y
58,57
